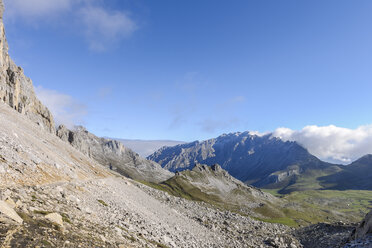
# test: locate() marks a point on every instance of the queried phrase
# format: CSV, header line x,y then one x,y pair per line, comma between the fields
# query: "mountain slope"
x,y
357,175
30,155
262,161
215,185
114,155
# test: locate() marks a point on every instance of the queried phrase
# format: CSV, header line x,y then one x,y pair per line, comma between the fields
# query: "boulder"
x,y
364,228
55,218
9,212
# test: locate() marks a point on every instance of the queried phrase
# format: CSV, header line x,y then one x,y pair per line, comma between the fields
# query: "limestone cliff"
x,y
16,90
113,154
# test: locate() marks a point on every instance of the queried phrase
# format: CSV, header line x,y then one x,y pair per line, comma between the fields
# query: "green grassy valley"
x,y
296,209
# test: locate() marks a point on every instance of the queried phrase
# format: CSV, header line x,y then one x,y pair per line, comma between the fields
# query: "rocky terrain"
x,y
262,161
54,196
114,155
214,185
362,235
31,156
74,189
16,90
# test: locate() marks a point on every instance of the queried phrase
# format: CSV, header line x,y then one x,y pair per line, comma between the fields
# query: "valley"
x,y
67,187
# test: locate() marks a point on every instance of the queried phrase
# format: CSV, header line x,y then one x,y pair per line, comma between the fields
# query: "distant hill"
x,y
147,147
263,161
214,185
357,175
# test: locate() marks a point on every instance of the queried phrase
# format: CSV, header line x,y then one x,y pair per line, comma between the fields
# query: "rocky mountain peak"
x,y
1,9
216,169
16,90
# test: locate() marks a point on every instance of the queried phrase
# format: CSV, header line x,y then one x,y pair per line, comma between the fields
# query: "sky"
x,y
192,70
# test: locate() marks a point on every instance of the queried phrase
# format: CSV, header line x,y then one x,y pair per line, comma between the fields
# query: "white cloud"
x,y
35,8
103,27
64,108
331,143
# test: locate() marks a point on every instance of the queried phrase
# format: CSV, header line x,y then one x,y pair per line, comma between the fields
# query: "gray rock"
x,y
114,155
364,229
55,218
9,212
16,90
257,160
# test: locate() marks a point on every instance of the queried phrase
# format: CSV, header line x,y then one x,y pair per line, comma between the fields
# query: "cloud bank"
x,y
101,27
331,143
64,108
36,8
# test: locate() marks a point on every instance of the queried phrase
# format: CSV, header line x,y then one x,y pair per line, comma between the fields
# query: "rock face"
x,y
16,89
114,155
364,229
258,160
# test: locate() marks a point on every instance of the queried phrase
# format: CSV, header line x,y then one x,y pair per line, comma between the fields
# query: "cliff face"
x,y
114,155
16,90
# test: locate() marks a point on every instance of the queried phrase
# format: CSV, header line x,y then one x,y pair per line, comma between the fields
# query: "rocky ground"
x,y
364,242
118,212
324,235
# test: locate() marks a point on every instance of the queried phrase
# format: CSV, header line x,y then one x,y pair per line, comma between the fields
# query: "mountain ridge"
x,y
113,155
258,160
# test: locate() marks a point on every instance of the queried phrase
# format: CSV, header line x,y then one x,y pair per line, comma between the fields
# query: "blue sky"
x,y
188,70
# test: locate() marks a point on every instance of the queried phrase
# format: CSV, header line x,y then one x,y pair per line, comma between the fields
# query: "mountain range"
x,y
266,162
70,188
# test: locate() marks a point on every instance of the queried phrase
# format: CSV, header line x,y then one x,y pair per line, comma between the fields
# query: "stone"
x,y
364,228
113,155
9,212
11,203
55,218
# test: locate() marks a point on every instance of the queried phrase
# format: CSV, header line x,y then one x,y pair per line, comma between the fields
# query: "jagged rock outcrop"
x,y
262,161
114,155
364,229
16,90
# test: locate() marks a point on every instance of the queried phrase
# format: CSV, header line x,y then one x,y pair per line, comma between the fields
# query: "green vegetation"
x,y
46,243
325,205
177,186
298,208
26,218
42,212
103,203
66,218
